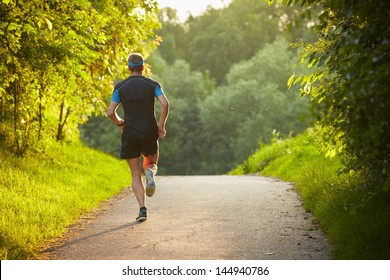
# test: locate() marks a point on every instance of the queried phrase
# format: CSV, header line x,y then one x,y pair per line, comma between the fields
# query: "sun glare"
x,y
186,7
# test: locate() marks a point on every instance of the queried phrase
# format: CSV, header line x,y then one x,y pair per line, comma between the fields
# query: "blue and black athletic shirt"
x,y
137,95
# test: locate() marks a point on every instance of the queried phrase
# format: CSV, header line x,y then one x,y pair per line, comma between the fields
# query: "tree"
x,y
58,60
351,85
255,101
234,34
217,49
172,35
185,89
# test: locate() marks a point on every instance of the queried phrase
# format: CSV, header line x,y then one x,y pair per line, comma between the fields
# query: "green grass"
x,y
355,220
45,192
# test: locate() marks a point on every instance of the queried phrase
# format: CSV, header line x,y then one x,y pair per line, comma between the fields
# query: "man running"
x,y
140,129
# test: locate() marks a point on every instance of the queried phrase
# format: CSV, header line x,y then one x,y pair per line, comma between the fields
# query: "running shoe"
x,y
150,184
143,216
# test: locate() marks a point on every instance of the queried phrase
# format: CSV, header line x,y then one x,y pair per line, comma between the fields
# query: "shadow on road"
x,y
79,240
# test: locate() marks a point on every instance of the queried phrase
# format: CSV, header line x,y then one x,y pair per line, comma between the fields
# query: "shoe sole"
x,y
150,185
142,219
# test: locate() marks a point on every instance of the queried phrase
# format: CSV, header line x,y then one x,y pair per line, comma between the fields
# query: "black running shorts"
x,y
133,147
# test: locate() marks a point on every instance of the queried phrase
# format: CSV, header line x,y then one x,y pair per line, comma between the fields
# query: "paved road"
x,y
199,218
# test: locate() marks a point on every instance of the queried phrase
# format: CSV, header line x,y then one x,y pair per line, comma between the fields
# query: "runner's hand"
x,y
161,132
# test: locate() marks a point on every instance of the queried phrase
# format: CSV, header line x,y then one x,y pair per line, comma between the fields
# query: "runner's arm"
x,y
112,114
164,103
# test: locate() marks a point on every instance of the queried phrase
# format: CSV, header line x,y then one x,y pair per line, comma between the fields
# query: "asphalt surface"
x,y
198,218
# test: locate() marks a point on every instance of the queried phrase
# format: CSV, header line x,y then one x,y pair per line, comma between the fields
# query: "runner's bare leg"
x,y
137,183
150,162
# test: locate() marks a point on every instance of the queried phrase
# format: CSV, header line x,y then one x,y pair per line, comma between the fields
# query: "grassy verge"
x,y
43,193
355,220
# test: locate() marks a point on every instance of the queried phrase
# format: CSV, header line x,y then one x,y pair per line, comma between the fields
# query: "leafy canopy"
x,y
58,60
351,84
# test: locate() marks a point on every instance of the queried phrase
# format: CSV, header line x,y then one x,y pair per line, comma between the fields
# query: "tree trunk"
x,y
62,121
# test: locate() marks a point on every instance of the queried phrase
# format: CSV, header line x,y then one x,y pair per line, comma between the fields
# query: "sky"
x,y
195,7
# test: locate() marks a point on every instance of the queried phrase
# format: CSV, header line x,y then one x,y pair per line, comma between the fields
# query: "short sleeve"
x,y
115,97
158,91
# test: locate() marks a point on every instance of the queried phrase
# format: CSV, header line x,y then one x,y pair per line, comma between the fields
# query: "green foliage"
x,y
58,60
234,34
48,191
173,38
254,103
186,89
351,85
205,51
282,153
100,133
211,129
